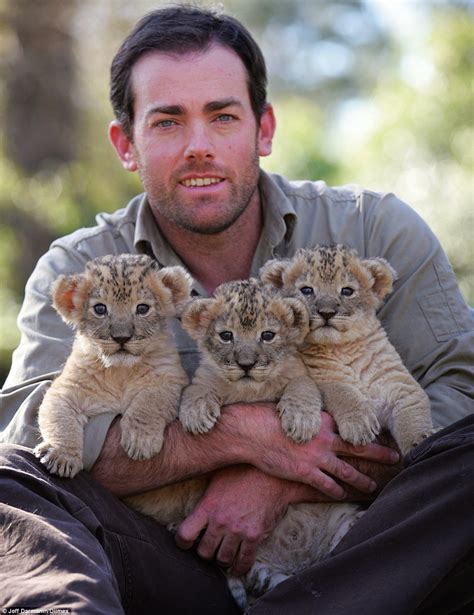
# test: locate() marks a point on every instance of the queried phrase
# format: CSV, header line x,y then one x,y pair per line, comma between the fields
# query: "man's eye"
x,y
164,123
100,309
226,336
142,309
307,290
225,117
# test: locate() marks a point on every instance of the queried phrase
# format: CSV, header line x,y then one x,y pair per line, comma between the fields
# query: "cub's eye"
x,y
347,291
267,336
226,336
307,290
100,309
142,309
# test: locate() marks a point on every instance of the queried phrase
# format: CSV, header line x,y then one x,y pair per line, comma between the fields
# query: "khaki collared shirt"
x,y
425,317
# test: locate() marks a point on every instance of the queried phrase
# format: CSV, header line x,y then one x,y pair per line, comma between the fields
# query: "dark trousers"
x,y
71,544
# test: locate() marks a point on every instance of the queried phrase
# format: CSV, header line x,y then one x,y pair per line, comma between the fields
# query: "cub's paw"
x,y
58,461
199,415
139,445
298,425
405,447
360,430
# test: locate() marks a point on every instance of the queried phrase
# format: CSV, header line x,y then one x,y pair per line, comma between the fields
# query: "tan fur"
x,y
308,531
364,383
248,368
122,361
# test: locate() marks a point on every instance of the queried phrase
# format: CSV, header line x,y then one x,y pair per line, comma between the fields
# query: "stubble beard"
x,y
164,201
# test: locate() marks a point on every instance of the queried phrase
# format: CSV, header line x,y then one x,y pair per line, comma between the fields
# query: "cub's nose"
x,y
327,314
246,366
122,340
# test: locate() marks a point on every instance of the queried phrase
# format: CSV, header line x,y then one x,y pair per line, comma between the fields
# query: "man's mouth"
x,y
198,182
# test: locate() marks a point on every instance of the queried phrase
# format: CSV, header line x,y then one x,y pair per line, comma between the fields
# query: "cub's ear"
x,y
272,272
383,276
197,317
294,315
178,281
69,294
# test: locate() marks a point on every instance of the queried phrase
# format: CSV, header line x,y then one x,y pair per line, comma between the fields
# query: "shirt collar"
x,y
279,220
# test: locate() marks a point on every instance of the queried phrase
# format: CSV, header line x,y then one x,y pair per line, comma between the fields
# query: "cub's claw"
x,y
200,416
62,463
360,430
298,425
140,446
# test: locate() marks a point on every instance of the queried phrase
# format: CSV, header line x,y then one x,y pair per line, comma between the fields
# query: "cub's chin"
x,y
122,358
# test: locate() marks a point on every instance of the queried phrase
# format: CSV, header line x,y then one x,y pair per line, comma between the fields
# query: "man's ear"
x,y
383,275
266,131
69,294
123,146
197,316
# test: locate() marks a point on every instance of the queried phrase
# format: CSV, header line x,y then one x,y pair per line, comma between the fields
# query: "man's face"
x,y
196,143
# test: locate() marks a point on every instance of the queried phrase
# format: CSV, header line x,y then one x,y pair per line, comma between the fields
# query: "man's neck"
x,y
221,257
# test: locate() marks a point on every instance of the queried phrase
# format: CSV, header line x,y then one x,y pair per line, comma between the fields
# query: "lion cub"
x,y
123,359
248,338
364,383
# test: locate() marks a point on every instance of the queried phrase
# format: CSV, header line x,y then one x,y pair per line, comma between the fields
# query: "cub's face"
x,y
120,305
246,330
340,290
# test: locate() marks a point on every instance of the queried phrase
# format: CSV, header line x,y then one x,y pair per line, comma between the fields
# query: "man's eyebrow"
x,y
214,105
166,110
217,105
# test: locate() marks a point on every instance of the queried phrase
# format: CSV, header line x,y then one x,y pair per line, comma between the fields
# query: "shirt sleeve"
x,y
45,344
426,316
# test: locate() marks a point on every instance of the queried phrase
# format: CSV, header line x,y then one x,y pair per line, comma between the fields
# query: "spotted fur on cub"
x,y
248,336
123,359
364,383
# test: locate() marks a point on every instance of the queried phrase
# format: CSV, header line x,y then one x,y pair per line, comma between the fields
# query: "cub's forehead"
x,y
327,263
246,301
119,275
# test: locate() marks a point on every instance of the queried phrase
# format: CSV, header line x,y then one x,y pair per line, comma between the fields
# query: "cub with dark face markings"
x,y
123,359
248,337
364,383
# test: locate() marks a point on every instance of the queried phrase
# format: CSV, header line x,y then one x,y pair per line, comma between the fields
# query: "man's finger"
x,y
228,549
245,557
190,528
209,544
371,452
349,475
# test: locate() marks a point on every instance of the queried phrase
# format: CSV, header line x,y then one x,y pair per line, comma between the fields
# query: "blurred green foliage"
x,y
355,102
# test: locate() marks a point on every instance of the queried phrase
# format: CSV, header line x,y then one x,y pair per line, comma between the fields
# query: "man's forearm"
x,y
183,456
249,434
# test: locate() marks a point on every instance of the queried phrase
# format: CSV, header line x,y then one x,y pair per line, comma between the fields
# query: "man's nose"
x,y
199,145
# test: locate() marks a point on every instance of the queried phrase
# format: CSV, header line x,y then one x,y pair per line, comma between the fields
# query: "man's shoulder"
x,y
301,191
112,232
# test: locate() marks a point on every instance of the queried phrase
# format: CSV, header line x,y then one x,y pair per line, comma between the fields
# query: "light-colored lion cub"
x,y
248,337
123,359
364,383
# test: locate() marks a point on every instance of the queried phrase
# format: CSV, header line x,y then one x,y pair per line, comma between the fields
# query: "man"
x,y
189,94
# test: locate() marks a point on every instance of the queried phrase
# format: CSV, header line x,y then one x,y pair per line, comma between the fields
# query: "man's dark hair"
x,y
183,29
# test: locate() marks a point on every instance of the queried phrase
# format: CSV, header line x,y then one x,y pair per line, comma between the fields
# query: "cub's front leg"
x,y
353,412
200,408
62,429
144,421
300,409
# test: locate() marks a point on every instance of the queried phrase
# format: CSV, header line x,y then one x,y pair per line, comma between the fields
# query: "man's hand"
x,y
319,462
238,511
